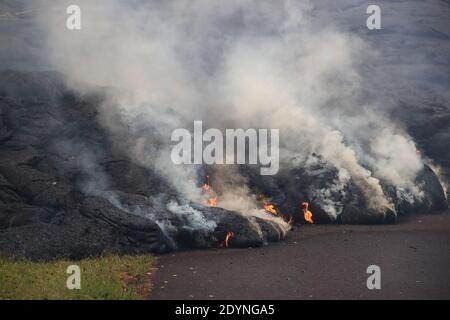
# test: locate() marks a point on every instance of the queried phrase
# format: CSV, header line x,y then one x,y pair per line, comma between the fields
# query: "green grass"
x,y
107,277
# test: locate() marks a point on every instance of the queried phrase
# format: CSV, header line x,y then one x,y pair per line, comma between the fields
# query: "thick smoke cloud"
x,y
292,65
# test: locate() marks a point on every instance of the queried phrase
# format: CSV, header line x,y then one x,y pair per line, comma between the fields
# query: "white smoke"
x,y
196,220
234,64
330,197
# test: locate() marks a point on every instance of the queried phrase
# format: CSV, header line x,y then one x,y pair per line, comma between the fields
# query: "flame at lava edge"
x,y
212,200
267,205
306,213
227,239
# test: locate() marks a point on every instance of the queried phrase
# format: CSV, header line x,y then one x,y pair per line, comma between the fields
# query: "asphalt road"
x,y
319,262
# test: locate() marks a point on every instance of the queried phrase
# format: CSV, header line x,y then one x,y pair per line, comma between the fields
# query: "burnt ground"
x,y
319,262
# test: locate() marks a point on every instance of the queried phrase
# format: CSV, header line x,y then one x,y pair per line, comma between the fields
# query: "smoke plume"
x,y
237,64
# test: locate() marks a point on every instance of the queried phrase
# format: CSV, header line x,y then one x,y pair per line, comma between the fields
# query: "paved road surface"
x,y
318,262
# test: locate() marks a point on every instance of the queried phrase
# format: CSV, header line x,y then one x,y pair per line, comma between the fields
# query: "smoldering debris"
x,y
98,129
68,190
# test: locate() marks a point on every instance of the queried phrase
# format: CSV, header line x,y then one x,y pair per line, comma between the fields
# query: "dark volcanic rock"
x,y
193,225
428,122
247,231
336,199
18,214
94,228
431,199
133,179
7,192
244,233
68,190
52,149
434,198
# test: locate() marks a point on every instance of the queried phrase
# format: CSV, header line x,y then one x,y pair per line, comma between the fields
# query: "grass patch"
x,y
107,277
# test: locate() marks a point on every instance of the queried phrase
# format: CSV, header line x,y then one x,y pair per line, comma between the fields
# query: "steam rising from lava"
x,y
235,64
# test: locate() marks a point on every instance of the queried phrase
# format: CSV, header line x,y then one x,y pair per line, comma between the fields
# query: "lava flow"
x,y
306,213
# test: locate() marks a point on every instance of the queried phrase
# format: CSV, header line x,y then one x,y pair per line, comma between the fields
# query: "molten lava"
x,y
227,238
306,213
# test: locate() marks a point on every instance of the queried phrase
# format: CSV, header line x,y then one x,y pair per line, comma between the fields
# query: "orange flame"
x,y
206,185
227,238
306,213
210,202
268,206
